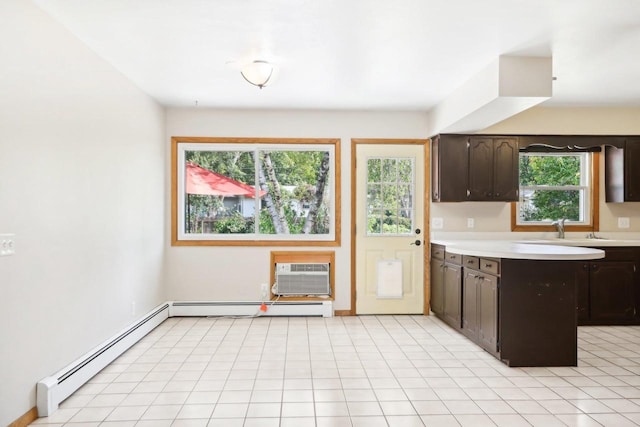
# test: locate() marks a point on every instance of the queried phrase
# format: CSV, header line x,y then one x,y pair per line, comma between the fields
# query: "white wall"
x,y
82,183
235,273
495,216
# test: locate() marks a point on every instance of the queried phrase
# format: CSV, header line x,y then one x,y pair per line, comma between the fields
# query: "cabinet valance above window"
x,y
567,143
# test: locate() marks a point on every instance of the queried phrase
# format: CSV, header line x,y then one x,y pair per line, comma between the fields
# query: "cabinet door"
x,y
481,169
470,303
611,295
449,168
488,312
505,170
437,286
631,170
452,297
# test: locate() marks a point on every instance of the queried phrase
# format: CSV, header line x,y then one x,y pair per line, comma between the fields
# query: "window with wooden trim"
x,y
254,191
556,186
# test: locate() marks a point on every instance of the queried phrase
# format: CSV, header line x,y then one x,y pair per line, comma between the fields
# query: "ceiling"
x,y
403,55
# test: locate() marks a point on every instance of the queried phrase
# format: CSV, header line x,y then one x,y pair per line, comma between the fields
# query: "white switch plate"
x,y
437,223
470,223
7,244
623,222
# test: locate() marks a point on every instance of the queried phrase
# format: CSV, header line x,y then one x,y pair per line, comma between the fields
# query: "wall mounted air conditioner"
x,y
302,279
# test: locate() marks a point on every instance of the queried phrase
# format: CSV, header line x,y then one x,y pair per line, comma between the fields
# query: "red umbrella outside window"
x,y
205,182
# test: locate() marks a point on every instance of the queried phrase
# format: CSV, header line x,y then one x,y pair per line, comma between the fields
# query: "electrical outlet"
x,y
264,291
437,223
623,222
470,223
7,244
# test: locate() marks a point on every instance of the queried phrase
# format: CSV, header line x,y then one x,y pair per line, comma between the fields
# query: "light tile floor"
x,y
351,371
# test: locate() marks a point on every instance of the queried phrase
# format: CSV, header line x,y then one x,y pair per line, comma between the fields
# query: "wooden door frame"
x,y
425,227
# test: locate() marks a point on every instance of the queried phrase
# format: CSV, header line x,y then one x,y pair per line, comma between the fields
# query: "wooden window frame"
x,y
595,206
258,241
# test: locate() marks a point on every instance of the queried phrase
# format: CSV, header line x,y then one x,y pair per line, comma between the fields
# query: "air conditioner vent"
x,y
302,279
309,267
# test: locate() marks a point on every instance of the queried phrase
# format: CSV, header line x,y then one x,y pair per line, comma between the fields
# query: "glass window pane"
x,y
550,205
374,223
405,170
390,196
389,170
550,170
405,221
374,196
374,169
390,222
295,187
219,192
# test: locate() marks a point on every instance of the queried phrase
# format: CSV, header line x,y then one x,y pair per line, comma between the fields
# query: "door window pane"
x,y
390,186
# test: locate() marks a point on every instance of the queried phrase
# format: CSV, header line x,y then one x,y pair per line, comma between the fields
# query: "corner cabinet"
x,y
608,291
474,168
622,174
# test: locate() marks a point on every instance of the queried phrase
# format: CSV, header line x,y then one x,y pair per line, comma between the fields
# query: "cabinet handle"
x,y
488,266
468,193
497,194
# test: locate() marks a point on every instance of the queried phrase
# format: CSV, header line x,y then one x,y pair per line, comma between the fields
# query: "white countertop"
x,y
519,250
586,243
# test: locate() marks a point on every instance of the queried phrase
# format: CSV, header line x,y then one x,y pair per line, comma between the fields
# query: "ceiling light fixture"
x,y
258,73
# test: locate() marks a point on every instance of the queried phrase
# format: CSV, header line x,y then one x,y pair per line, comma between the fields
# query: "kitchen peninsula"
x,y
516,300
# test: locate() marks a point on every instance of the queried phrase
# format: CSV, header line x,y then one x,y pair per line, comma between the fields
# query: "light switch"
x,y
437,223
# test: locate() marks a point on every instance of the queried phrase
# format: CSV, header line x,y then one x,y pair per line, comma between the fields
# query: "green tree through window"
x,y
553,186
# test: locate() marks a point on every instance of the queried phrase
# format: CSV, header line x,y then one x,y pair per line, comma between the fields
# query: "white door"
x,y
389,253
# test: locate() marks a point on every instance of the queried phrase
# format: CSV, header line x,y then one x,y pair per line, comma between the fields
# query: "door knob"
x,y
417,242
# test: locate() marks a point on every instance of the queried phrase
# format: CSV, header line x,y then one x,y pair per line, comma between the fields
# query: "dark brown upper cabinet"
x,y
449,168
622,172
474,168
493,169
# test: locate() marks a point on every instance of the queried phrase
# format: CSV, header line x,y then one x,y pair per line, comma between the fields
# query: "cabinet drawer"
x,y
489,265
471,262
437,251
620,254
453,258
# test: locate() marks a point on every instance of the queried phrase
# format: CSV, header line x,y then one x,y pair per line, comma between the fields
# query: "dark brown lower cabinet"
x,y
470,303
480,308
452,313
488,313
611,293
437,286
608,289
537,312
523,311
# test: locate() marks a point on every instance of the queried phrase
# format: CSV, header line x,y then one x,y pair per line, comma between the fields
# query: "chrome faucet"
x,y
560,226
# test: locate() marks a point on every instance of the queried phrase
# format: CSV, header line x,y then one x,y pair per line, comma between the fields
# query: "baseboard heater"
x,y
52,390
276,308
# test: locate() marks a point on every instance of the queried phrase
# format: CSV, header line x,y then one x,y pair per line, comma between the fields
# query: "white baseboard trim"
x,y
249,308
